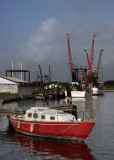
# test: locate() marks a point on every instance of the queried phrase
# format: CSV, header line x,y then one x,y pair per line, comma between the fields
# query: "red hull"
x,y
98,94
64,130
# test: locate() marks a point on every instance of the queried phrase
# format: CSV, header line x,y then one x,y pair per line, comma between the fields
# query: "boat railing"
x,y
84,116
15,112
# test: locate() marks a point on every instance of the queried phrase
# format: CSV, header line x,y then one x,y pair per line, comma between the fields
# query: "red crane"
x,y
99,63
77,73
91,58
90,61
70,56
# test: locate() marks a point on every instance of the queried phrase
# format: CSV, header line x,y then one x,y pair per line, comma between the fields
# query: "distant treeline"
x,y
109,85
54,82
110,82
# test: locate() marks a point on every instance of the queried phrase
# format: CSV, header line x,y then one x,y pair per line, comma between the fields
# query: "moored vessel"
x,y
96,86
79,85
79,94
52,123
74,90
98,90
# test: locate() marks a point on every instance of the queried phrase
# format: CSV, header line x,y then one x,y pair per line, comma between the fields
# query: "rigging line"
x,y
66,129
101,70
52,74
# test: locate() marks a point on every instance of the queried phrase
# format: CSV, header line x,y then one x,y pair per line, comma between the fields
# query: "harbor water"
x,y
98,146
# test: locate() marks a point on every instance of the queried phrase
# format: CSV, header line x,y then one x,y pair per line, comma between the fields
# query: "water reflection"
x,y
3,123
48,149
9,106
82,103
100,141
29,103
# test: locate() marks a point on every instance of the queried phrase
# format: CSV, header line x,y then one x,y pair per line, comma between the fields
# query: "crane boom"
x,y
87,56
92,50
99,63
91,58
69,55
40,73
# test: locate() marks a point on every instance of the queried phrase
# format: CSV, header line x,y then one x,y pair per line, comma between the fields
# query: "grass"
x,y
109,87
7,94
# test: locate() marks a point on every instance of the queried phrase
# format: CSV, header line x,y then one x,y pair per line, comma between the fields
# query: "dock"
x,y
9,112
63,107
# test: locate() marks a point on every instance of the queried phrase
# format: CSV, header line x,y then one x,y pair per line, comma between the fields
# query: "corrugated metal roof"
x,y
11,80
5,81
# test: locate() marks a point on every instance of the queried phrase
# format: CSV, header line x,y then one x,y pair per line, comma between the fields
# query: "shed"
x,y
15,85
7,85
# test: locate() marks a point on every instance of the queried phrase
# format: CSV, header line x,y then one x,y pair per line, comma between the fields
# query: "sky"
x,y
35,31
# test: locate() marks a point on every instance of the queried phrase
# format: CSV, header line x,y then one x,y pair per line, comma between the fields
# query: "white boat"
x,y
77,91
97,91
79,94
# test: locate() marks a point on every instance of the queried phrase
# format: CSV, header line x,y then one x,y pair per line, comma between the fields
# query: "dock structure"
x,y
9,112
19,71
62,107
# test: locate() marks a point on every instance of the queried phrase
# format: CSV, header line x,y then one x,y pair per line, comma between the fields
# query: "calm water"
x,y
98,146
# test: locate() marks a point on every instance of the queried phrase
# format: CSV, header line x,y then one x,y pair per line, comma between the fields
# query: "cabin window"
x,y
29,115
35,115
42,117
52,118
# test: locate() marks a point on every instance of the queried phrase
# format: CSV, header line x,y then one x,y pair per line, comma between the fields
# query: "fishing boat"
x,y
79,86
52,123
77,91
96,85
79,94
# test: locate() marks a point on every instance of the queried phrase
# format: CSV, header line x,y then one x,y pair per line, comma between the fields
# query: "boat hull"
x,y
79,94
65,130
97,92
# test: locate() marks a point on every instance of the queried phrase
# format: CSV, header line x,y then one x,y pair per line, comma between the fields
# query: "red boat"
x,y
51,123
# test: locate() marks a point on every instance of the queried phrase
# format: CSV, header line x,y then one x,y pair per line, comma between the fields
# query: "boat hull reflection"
x,y
48,148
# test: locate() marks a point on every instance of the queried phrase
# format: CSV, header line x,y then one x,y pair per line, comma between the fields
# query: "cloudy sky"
x,y
35,30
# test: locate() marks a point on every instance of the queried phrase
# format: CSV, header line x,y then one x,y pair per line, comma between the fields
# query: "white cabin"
x,y
48,115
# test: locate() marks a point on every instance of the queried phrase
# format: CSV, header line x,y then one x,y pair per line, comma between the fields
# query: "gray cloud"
x,y
49,44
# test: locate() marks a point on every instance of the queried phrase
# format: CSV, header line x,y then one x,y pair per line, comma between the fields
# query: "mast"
x,y
40,72
12,67
21,68
42,84
49,73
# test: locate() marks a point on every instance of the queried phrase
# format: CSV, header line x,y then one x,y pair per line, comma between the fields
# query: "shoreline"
x,y
112,90
21,98
15,98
